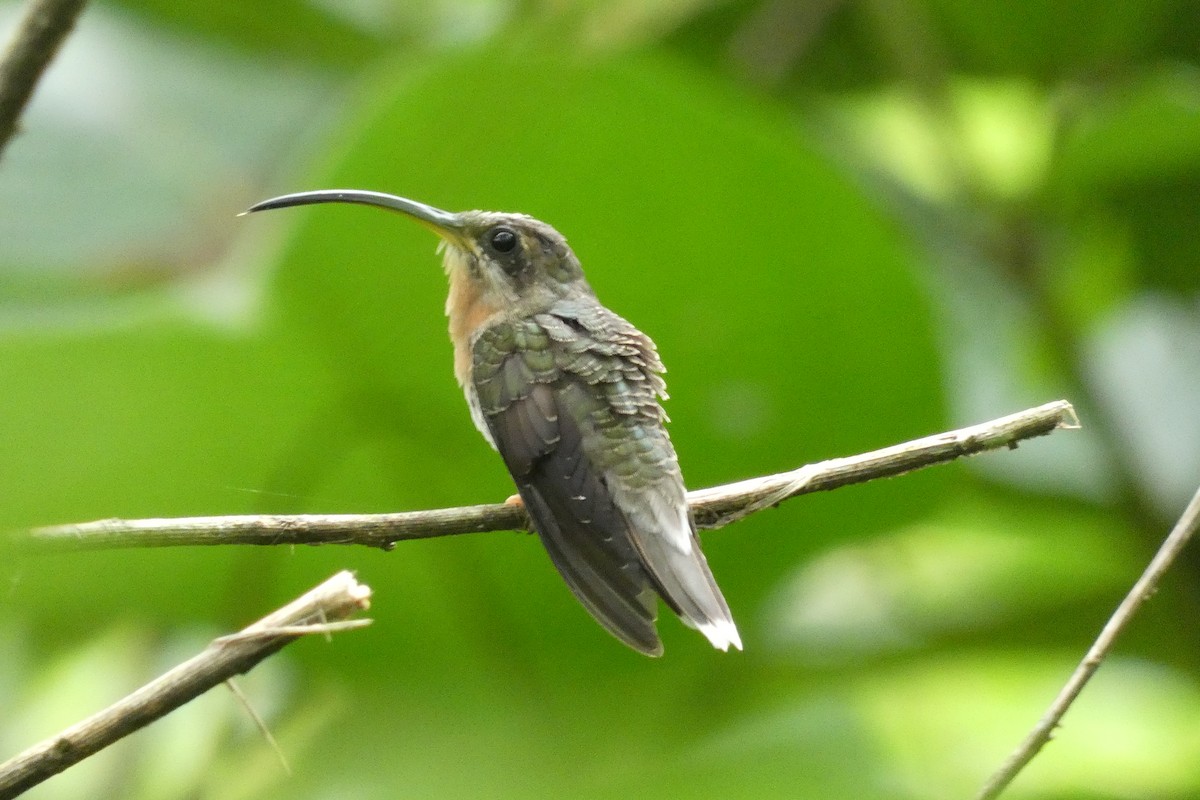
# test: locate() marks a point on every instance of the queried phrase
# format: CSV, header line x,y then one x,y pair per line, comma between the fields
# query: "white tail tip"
x,y
722,634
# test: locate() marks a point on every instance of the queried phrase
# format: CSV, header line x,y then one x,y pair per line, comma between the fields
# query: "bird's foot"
x,y
515,500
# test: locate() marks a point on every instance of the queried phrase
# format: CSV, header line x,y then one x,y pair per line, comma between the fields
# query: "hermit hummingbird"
x,y
568,393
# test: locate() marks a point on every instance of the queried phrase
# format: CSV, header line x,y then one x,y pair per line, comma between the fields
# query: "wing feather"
x,y
574,413
572,512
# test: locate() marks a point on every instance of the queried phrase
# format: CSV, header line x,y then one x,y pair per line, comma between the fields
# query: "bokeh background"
x,y
846,224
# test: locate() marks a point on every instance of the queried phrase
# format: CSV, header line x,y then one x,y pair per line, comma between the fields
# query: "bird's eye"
x,y
503,240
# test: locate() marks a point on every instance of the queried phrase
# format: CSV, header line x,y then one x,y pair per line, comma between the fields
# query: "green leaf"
x,y
782,301
295,29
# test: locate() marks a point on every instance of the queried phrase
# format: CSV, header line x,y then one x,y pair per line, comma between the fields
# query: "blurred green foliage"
x,y
845,224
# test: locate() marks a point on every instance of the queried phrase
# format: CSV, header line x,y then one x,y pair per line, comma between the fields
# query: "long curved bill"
x,y
444,223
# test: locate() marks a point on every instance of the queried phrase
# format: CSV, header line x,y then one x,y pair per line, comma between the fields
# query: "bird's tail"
x,y
673,558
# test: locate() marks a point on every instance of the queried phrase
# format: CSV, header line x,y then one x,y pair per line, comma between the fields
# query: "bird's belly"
x,y
477,412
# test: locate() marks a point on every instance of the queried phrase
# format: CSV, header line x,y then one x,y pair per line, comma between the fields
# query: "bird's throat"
x,y
467,310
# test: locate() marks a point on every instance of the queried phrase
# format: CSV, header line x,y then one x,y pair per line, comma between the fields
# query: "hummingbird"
x,y
568,393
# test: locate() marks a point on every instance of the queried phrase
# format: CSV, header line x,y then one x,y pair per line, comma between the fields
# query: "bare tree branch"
x,y
713,508
335,599
37,38
1142,591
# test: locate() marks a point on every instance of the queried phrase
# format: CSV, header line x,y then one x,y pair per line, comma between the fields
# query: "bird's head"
x,y
510,258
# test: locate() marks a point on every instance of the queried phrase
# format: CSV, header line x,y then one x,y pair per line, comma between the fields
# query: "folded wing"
x,y
571,401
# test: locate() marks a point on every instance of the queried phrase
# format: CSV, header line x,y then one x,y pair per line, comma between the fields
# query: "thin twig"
x,y
261,723
317,626
1142,591
37,38
334,599
713,508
